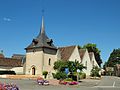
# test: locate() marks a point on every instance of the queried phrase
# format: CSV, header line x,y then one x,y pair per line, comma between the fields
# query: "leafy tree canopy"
x,y
73,66
93,48
114,58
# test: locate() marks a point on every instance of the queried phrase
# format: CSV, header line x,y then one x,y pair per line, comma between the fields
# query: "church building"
x,y
41,55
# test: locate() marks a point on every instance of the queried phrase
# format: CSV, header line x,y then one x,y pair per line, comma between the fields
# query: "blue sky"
x,y
67,22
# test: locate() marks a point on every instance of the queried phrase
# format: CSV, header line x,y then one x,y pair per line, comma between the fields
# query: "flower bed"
x,y
8,87
41,81
62,82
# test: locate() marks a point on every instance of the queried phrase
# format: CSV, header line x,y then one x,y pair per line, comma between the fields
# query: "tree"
x,y
93,48
60,75
73,66
114,58
60,67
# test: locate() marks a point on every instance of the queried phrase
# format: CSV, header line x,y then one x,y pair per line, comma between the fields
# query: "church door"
x,y
33,71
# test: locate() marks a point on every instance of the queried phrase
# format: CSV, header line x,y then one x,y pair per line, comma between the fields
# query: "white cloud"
x,y
6,19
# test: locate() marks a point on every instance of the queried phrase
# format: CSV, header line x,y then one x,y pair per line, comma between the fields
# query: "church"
x,y
41,54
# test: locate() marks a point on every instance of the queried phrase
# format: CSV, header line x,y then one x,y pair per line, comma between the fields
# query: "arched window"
x,y
49,62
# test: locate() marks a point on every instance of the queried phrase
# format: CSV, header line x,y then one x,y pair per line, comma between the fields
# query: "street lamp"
x,y
78,71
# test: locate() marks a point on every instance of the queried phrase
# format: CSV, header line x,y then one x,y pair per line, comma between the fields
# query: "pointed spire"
x,y
42,26
42,39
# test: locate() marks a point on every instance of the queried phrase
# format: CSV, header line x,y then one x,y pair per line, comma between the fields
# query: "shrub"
x,y
45,73
7,72
82,75
60,75
68,79
73,76
95,72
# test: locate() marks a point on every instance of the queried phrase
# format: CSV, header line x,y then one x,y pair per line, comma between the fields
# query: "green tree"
x,y
60,66
73,66
60,75
93,48
114,58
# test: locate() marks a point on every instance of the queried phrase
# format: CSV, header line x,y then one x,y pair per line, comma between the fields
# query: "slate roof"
x,y
82,53
42,39
66,52
9,62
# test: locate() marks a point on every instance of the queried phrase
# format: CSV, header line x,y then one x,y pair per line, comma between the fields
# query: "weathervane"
x,y
43,8
43,12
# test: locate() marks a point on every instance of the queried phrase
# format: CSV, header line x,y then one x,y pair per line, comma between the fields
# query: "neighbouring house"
x,y
73,53
109,71
117,70
12,64
41,55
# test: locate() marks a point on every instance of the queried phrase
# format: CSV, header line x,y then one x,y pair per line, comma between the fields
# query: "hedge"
x,y
7,72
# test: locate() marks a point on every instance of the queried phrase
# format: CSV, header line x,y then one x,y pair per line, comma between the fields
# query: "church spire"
x,y
42,26
42,39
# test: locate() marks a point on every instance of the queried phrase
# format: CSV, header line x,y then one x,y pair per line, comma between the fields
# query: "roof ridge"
x,y
68,46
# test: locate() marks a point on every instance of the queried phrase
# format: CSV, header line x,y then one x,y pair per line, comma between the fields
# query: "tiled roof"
x,y
9,62
66,52
18,56
82,53
1,55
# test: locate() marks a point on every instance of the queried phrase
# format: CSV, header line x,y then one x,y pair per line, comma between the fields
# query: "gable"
x,y
75,56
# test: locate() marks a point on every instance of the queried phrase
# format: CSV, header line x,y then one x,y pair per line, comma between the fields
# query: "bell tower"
x,y
40,54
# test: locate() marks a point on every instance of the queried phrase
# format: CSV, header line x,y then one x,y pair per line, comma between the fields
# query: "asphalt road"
x,y
106,83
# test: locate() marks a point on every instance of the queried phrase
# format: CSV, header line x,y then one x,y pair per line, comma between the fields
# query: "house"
x,y
73,53
117,70
11,64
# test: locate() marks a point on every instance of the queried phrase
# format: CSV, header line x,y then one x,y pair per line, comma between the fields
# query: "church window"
x,y
49,62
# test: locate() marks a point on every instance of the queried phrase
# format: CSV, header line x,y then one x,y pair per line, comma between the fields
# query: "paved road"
x,y
106,83
109,83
